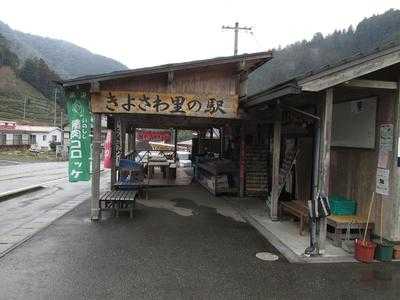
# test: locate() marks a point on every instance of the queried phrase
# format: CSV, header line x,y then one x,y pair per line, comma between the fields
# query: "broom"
x,y
369,215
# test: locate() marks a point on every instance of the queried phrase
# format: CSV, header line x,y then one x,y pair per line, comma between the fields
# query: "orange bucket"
x,y
396,252
364,251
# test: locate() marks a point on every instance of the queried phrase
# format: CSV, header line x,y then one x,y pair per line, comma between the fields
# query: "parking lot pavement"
x,y
192,251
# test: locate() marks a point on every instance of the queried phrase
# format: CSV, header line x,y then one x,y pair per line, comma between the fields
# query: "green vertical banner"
x,y
80,136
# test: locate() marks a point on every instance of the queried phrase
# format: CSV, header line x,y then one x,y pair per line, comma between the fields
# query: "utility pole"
x,y
62,127
236,28
24,107
55,107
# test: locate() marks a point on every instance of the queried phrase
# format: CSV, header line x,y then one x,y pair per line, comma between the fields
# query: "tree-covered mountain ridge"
x,y
64,58
305,56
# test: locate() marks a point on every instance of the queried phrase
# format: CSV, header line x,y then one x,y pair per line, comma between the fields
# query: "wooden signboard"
x,y
211,106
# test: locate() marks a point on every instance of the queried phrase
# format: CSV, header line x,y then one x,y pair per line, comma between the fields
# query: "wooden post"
x,y
129,138
123,138
113,161
395,224
276,154
134,140
325,158
175,143
94,202
221,140
242,162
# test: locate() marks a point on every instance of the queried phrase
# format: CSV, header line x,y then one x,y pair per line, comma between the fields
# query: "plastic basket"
x,y
342,206
384,252
364,251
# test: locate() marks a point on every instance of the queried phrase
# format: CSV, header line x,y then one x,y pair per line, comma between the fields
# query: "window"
x,y
54,138
33,139
44,137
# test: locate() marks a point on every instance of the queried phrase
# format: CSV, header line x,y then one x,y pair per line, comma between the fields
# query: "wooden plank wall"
x,y
353,171
210,81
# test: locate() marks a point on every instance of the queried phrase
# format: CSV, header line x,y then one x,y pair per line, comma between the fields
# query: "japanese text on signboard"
x,y
80,137
159,103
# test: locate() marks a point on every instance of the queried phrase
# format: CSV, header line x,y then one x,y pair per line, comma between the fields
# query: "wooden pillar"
x,y
94,202
134,140
129,138
276,153
242,161
175,143
325,158
123,138
395,224
113,161
221,140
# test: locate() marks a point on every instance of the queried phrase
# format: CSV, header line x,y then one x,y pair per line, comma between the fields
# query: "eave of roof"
x,y
259,57
304,82
289,87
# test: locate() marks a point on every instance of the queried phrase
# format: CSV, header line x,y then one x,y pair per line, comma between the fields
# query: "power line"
x,y
236,28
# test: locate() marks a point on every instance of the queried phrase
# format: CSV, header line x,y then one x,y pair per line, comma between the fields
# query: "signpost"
x,y
80,139
200,105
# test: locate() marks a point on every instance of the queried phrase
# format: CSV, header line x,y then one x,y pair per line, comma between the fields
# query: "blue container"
x,y
342,206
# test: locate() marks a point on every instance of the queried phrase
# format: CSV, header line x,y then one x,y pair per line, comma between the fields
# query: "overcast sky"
x,y
146,33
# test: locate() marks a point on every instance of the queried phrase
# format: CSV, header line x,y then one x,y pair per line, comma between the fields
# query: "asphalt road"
x,y
19,175
161,254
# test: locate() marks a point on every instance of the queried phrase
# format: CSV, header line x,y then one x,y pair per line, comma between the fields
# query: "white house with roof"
x,y
14,134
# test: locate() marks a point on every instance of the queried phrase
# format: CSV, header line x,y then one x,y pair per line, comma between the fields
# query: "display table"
x,y
339,225
213,175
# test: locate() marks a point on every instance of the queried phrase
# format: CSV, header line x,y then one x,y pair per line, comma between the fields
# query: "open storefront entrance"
x,y
202,96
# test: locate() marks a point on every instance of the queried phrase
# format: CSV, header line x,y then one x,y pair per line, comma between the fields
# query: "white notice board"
x,y
353,123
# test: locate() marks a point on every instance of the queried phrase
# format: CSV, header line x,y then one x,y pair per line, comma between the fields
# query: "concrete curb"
x,y
10,194
288,253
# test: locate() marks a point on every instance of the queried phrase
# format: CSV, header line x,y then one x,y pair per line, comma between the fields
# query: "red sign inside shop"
x,y
154,135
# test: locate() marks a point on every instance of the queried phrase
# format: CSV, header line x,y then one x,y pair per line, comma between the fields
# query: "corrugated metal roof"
x,y
259,58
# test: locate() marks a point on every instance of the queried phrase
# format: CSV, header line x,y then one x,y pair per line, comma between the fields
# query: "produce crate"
x,y
342,206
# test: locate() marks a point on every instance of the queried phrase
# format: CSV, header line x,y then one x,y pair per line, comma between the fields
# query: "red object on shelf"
x,y
364,250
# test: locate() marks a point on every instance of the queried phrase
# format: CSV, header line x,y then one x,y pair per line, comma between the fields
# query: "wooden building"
x,y
196,95
338,127
344,121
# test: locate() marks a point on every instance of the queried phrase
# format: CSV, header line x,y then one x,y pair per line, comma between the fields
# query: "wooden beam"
x,y
373,84
276,166
395,224
242,160
325,159
263,98
354,69
94,87
175,143
134,139
94,201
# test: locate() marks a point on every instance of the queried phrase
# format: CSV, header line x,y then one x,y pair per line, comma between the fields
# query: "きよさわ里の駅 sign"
x,y
166,104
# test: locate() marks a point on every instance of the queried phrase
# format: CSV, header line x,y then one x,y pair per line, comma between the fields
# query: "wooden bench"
x,y
118,200
339,225
295,208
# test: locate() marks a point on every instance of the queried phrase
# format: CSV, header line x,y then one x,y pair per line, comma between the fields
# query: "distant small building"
x,y
14,134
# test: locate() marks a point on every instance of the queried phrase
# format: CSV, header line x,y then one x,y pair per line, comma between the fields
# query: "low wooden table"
x,y
118,200
338,226
296,208
152,164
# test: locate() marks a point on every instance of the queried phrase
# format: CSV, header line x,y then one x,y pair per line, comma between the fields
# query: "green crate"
x,y
342,206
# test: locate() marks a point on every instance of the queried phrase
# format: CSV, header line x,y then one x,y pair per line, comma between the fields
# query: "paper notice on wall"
x,y
357,107
382,181
386,137
383,159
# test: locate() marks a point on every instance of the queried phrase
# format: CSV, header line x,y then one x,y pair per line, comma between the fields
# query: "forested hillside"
x,y
28,86
301,57
66,59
